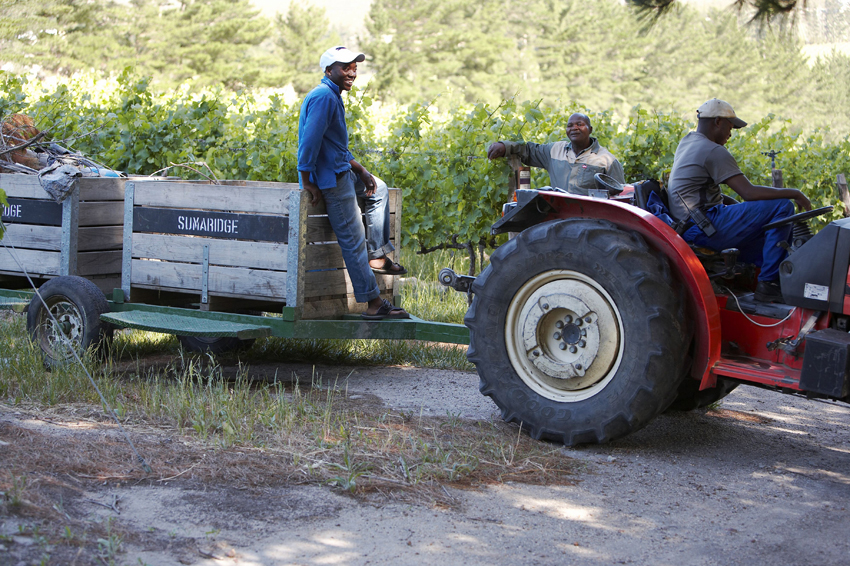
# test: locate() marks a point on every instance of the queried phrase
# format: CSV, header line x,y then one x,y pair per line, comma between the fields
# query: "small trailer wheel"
x,y
218,345
69,316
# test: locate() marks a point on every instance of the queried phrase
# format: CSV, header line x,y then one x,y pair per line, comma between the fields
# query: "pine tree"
x,y
304,35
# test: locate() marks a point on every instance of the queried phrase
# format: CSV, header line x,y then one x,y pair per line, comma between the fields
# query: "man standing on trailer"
x,y
571,164
700,165
328,171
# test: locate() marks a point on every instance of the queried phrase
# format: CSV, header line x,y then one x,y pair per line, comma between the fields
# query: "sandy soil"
x,y
764,480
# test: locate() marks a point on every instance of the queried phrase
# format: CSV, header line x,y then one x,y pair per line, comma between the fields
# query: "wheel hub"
x,y
561,335
564,332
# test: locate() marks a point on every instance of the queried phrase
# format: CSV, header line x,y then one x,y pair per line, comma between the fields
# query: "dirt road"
x,y
763,480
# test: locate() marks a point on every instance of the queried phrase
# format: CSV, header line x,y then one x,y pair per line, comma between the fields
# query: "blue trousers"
x,y
344,216
740,226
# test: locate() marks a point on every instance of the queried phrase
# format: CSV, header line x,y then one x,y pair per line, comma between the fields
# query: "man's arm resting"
x,y
741,185
365,176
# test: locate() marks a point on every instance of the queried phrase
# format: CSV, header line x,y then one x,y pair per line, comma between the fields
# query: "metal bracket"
x,y
205,276
789,345
460,283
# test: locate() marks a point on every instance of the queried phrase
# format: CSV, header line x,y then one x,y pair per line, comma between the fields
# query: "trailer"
x,y
217,264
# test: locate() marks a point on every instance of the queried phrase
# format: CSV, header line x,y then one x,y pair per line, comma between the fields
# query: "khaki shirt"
x,y
568,171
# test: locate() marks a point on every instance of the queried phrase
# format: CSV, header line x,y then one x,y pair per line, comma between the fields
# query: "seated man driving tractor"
x,y
700,165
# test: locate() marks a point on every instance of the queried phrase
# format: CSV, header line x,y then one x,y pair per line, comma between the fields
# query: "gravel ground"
x,y
763,480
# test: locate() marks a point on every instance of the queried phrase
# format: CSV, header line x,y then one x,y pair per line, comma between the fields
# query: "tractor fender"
x,y
702,305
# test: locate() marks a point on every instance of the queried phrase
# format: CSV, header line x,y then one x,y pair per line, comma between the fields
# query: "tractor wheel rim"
x,y
563,334
69,327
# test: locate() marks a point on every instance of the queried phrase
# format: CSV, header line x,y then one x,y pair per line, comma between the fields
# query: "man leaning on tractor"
x,y
571,164
700,165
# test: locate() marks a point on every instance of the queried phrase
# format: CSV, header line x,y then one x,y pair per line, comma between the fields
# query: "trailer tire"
x,y
690,397
219,345
524,323
77,304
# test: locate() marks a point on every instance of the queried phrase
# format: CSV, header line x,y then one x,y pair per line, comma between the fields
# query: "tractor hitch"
x,y
460,283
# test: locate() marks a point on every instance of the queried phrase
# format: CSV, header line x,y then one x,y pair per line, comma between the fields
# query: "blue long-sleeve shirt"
x,y
322,135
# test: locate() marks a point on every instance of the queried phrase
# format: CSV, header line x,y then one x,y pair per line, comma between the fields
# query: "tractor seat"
x,y
653,198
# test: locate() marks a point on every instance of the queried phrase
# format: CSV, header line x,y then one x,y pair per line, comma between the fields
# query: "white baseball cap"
x,y
716,108
339,54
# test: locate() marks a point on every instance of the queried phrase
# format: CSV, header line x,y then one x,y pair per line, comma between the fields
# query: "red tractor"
x,y
597,316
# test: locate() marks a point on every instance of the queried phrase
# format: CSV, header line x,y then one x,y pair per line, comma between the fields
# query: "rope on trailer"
x,y
751,320
11,249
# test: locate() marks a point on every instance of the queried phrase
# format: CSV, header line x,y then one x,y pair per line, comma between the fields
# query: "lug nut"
x,y
582,344
573,349
584,331
557,336
559,325
563,346
578,322
568,319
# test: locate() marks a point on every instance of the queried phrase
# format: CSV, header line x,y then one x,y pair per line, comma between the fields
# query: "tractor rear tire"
x,y
220,345
691,398
576,331
76,304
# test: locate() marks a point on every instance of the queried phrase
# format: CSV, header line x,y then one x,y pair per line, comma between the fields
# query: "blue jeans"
x,y
376,209
344,216
740,226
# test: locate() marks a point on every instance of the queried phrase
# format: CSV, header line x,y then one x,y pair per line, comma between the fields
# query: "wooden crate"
x,y
238,246
81,236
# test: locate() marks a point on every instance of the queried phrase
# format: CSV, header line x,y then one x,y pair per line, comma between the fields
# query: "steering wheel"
x,y
609,183
799,217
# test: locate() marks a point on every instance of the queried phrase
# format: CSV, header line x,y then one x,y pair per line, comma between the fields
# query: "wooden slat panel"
x,y
100,238
237,183
102,213
170,194
28,236
315,308
319,229
24,186
323,256
98,263
229,281
322,209
336,282
101,188
258,255
36,262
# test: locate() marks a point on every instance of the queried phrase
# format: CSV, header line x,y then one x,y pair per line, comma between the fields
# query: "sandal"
x,y
386,310
389,268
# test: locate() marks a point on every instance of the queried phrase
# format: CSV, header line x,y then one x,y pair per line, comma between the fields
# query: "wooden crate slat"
x,y
29,236
322,209
230,281
22,186
98,263
336,282
37,262
319,229
234,253
321,256
265,199
95,238
323,307
102,213
101,188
